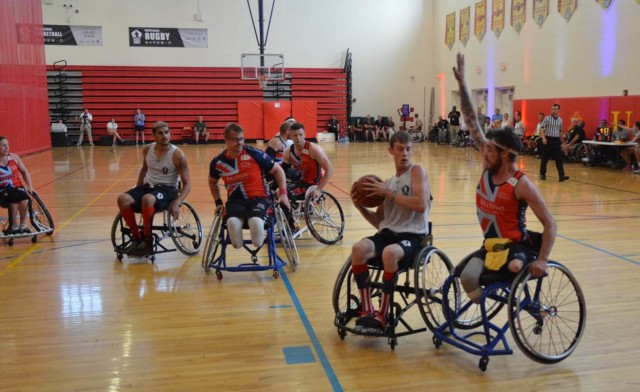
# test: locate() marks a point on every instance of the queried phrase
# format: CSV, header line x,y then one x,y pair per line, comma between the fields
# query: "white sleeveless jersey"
x,y
161,171
400,219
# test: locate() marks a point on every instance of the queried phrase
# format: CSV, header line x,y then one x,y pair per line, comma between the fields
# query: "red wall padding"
x,y
590,109
274,115
250,118
306,112
24,113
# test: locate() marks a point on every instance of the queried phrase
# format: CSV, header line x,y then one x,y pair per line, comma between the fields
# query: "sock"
x,y
147,215
130,218
388,284
361,276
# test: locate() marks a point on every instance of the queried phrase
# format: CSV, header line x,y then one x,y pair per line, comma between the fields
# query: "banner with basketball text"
x,y
480,20
605,3
465,16
450,33
72,35
165,37
567,8
497,17
540,11
518,14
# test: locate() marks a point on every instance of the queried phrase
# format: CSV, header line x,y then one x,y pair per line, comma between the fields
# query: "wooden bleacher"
x,y
178,95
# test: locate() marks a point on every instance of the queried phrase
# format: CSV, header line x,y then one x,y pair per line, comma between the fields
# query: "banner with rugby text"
x,y
166,37
72,35
480,20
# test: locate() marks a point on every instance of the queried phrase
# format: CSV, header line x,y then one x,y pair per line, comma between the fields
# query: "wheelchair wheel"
x,y
547,315
213,242
416,136
120,235
431,269
186,232
471,317
40,217
582,151
286,237
346,298
324,218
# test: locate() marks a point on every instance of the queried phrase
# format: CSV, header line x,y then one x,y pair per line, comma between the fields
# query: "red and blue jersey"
x,y
243,176
309,167
9,175
501,215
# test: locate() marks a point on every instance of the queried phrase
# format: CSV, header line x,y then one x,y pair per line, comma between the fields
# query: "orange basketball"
x,y
359,196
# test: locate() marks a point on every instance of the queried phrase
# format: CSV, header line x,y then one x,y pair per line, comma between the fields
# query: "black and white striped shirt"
x,y
552,126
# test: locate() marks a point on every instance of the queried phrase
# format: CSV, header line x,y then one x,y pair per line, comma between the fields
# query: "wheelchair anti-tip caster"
x,y
484,361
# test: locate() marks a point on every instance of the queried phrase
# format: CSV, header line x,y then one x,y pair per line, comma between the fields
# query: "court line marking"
x,y
322,357
35,246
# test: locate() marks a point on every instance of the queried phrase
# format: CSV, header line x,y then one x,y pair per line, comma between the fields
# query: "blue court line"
x,y
600,250
328,370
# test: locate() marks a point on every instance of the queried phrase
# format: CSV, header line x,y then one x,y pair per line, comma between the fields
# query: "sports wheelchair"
x,y
546,315
443,136
416,135
186,233
323,217
415,288
39,217
215,251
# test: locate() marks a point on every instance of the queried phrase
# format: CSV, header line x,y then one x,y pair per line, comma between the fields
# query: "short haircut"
x,y
295,126
284,127
159,125
400,137
556,104
232,127
506,137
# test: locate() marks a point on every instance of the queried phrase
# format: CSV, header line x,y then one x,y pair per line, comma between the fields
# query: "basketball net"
x,y
262,79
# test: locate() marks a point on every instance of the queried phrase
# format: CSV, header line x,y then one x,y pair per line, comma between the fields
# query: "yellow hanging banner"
x,y
497,17
480,20
567,8
450,33
518,14
465,16
540,11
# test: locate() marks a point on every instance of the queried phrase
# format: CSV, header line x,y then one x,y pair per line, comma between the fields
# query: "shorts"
x,y
11,195
256,207
409,242
138,128
201,133
526,251
165,195
298,189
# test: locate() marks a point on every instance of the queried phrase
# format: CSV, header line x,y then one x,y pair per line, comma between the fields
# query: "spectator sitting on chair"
x,y
454,123
242,169
369,129
356,130
506,121
334,126
112,129
157,187
518,127
309,162
391,126
12,191
496,119
628,154
60,128
200,130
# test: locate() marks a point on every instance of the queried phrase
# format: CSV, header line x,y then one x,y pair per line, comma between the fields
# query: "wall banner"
x,y
450,33
540,11
72,35
165,37
480,20
605,3
497,17
518,14
465,16
567,8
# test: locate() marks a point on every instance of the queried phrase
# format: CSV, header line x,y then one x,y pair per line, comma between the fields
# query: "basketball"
x,y
359,196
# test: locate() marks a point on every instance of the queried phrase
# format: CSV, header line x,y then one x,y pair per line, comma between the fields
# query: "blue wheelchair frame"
x,y
527,302
219,239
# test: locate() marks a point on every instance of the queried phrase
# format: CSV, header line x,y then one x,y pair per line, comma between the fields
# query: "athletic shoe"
x,y
543,177
563,178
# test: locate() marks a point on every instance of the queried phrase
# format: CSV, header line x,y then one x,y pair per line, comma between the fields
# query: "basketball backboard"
x,y
262,67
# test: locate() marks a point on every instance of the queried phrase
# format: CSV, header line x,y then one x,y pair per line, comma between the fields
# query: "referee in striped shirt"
x,y
551,130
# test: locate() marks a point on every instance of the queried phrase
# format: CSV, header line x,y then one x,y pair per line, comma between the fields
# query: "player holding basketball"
x,y
502,198
402,222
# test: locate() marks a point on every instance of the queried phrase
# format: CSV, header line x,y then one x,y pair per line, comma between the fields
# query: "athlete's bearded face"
x,y
492,158
162,136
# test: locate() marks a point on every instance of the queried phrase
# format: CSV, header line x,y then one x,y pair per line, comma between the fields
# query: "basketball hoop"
x,y
263,79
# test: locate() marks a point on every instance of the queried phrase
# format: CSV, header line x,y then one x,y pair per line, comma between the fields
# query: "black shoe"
x,y
543,177
564,178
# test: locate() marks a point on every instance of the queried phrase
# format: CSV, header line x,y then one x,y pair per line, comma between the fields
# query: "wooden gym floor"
x,y
74,318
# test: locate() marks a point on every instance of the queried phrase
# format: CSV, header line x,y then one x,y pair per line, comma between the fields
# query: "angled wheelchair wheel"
x,y
40,217
547,315
417,136
186,232
431,269
286,238
346,298
468,315
324,218
212,245
120,235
